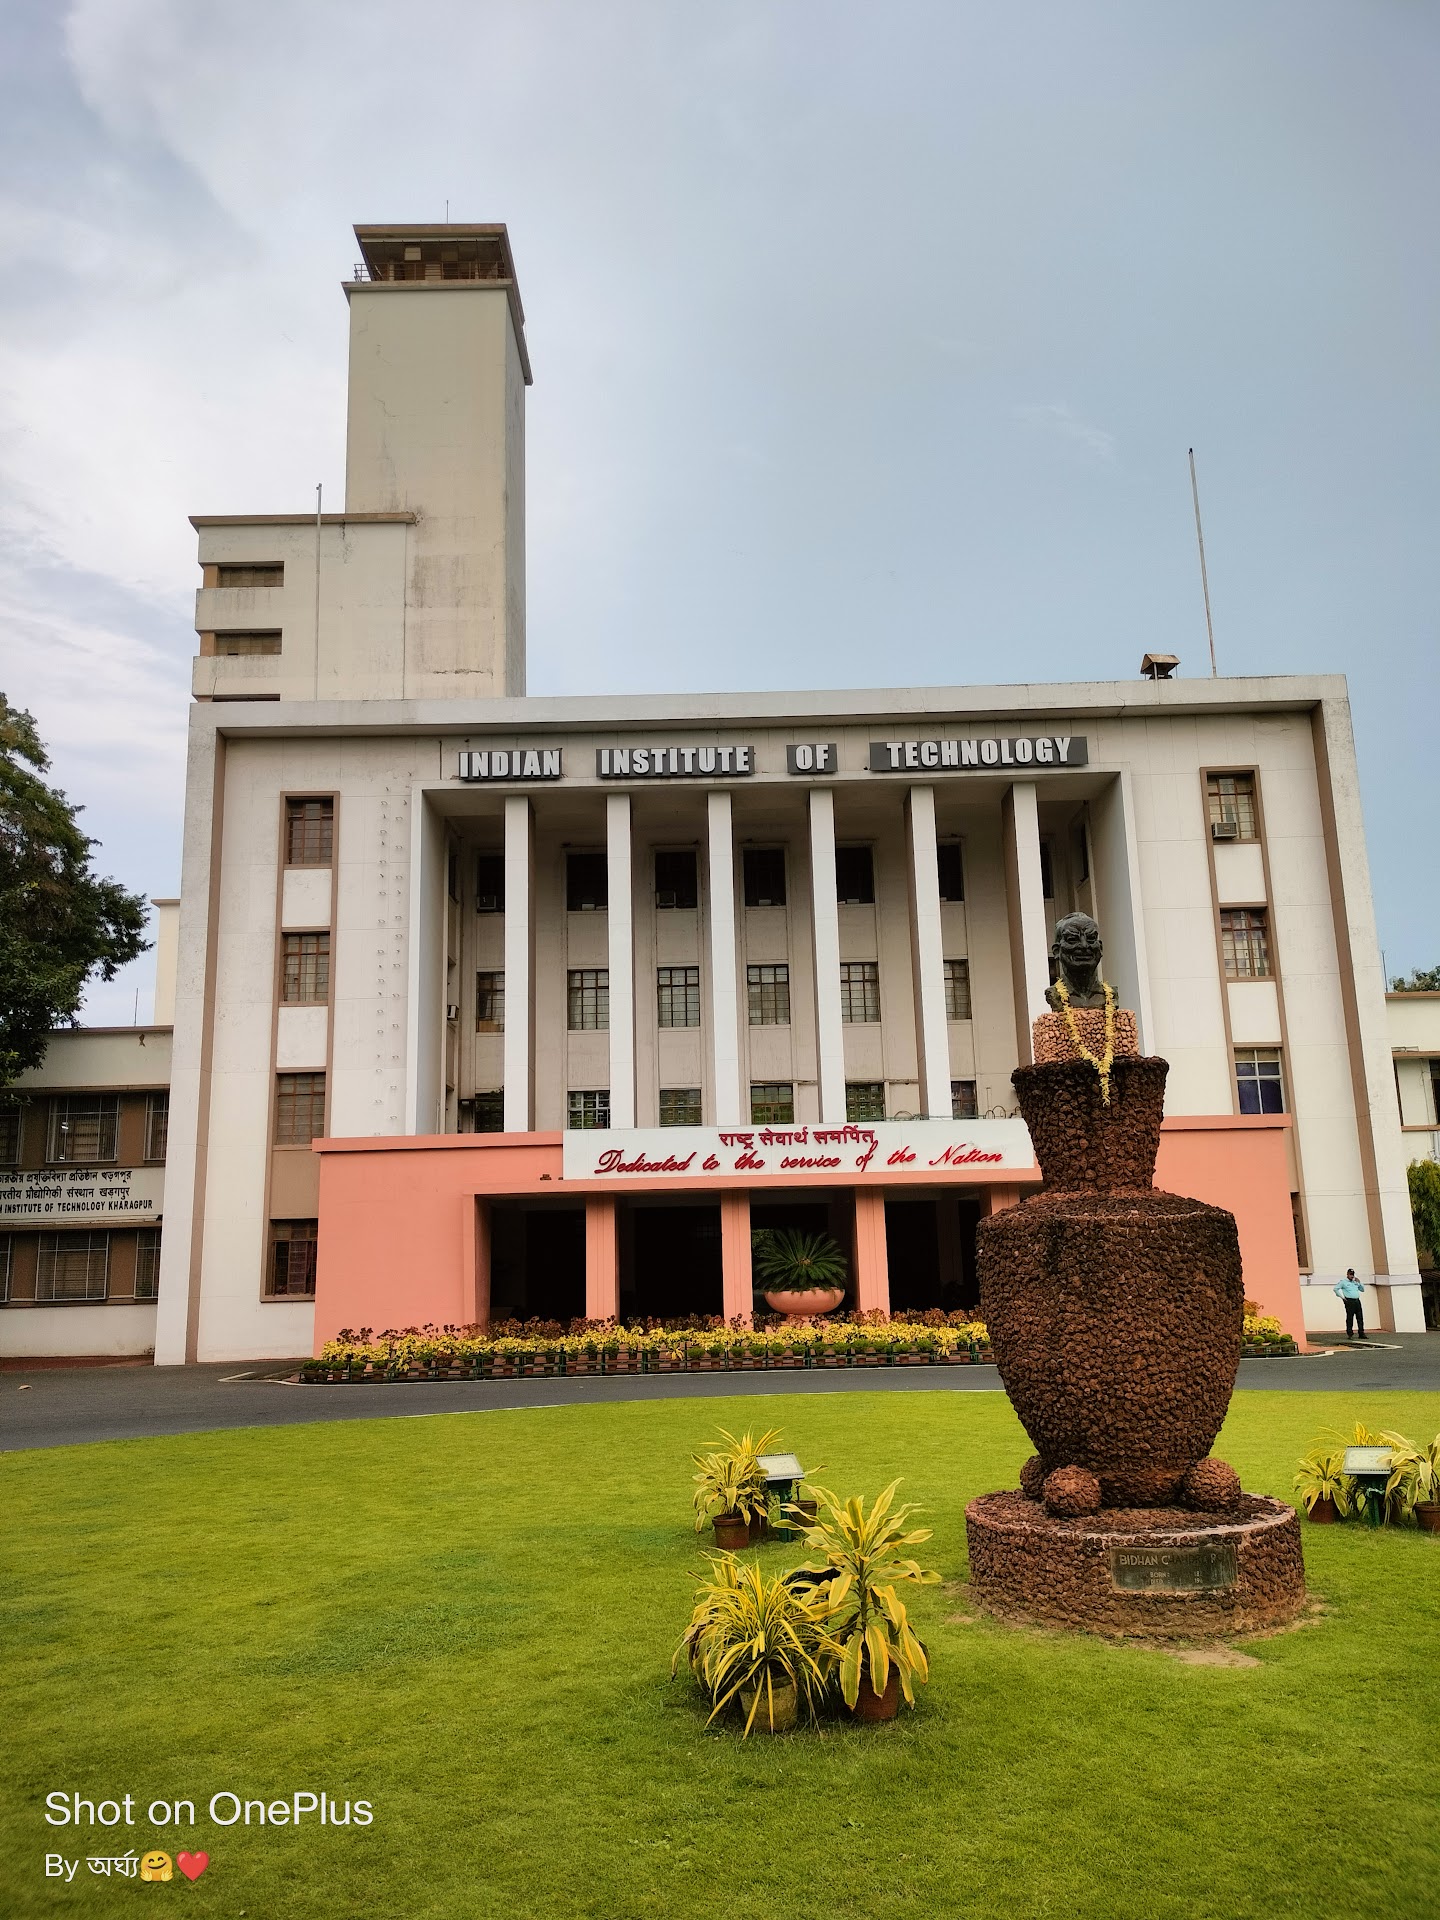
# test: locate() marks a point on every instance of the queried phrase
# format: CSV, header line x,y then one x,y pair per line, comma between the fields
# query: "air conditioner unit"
x,y
487,903
452,1012
665,897
1224,830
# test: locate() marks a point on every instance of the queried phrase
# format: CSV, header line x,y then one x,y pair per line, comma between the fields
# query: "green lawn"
x,y
468,1621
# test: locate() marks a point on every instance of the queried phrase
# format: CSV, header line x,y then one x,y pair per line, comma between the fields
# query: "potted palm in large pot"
x,y
800,1274
754,1639
856,1581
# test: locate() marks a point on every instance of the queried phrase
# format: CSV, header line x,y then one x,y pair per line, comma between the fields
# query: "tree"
x,y
60,922
1424,1177
1422,980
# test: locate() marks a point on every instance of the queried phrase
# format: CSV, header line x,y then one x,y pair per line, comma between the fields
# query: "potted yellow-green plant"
x,y
731,1490
857,1578
1415,1480
1323,1486
755,1639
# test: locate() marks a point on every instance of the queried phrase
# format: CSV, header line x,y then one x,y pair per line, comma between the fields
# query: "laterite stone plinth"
x,y
1154,1572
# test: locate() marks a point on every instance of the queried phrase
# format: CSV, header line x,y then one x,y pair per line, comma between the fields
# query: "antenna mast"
x,y
1204,579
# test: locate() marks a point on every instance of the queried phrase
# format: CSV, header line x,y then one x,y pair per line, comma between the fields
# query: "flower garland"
x,y
1107,1060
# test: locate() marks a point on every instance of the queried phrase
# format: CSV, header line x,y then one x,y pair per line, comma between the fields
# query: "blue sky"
x,y
868,344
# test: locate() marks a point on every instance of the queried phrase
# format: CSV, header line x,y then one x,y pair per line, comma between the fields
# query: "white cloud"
x,y
1060,422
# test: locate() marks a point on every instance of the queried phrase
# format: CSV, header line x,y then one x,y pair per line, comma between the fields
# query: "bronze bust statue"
x,y
1076,950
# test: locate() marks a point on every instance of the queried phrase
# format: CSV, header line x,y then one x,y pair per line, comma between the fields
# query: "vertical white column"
x,y
519,964
1115,876
724,1010
932,1035
825,920
621,917
1025,901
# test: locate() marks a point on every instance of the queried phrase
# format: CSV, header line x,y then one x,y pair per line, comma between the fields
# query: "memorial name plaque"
x,y
1187,1569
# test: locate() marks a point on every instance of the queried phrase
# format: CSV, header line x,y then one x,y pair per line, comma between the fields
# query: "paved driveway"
x,y
64,1406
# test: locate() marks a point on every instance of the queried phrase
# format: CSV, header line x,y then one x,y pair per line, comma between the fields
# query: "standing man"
x,y
1349,1290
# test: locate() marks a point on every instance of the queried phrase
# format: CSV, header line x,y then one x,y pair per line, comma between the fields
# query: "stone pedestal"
x,y
1157,1572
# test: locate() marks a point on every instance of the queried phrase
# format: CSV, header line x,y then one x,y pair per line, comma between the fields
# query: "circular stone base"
x,y
1157,1571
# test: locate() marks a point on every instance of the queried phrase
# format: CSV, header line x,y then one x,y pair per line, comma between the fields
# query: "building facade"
x,y
574,993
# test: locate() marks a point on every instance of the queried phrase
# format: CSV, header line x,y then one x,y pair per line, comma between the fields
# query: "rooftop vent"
x,y
1159,666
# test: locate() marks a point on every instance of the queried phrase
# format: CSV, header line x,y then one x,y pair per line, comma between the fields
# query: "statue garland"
x,y
1106,1061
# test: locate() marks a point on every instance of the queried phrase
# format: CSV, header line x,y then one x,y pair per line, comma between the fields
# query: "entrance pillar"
x,y
476,1254
602,1264
997,1199
872,1266
736,1278
519,963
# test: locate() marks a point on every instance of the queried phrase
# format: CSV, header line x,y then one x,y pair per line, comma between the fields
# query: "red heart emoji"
x,y
192,1865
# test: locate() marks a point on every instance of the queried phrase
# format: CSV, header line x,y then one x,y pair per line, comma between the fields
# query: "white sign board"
x,y
81,1196
872,1151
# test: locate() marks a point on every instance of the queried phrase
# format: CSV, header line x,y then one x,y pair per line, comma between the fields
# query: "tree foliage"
x,y
1424,1177
60,922
1421,980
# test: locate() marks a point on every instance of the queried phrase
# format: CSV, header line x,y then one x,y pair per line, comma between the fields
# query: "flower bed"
x,y
1262,1337
470,1353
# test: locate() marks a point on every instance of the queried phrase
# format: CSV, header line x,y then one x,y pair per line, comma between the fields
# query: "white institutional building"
x,y
420,907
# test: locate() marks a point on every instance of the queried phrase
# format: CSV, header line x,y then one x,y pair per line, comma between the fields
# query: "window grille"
x,y
860,992
83,1129
854,876
299,1108
963,1103
490,1111
10,1131
677,878
589,999
769,991
234,644
772,1103
489,1003
268,573
305,969
73,1266
157,1126
864,1099
1230,800
680,1106
1245,943
957,989
587,883
764,869
590,1108
309,832
678,991
952,870
147,1264
1259,1082
293,1248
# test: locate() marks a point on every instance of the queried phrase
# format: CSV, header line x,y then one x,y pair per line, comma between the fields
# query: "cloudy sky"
x,y
868,344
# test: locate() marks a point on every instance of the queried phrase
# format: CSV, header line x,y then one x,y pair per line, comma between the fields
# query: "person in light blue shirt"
x,y
1350,1290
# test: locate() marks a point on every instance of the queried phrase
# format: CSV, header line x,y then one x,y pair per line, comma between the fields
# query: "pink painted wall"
x,y
1240,1163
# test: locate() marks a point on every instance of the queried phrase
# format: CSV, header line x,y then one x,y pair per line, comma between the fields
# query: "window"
x,y
1297,1220
490,883
678,991
490,1111
1230,801
305,969
73,1266
587,882
589,1109
864,1099
1245,942
7,1246
963,1103
1047,870
952,870
772,1103
1258,1080
251,573
957,989
489,1003
293,1246
679,1106
769,989
860,991
157,1125
83,1129
147,1264
309,832
854,876
764,869
10,1132
589,999
677,879
233,644
299,1108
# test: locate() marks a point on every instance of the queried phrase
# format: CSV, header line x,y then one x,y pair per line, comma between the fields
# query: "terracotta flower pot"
x,y
1323,1513
879,1706
805,1304
1427,1516
778,1710
732,1532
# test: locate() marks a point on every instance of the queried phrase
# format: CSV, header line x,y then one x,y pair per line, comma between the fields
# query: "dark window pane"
x,y
769,992
764,876
854,876
680,1106
83,1129
957,989
963,1103
952,870
490,883
305,969
490,1112
1230,798
490,1002
587,882
677,879
588,999
860,991
589,1108
864,1099
293,1246
1047,870
157,1125
678,996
